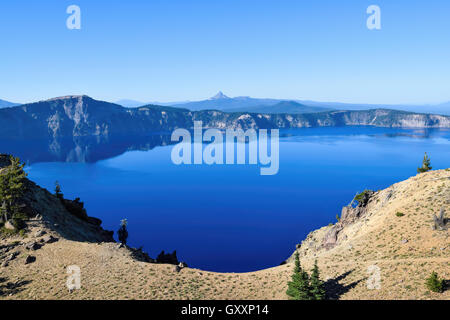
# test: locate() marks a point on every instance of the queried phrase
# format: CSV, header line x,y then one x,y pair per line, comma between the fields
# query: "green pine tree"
x,y
317,287
12,187
435,284
299,288
58,192
426,164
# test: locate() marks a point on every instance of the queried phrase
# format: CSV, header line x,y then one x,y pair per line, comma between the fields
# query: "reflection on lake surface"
x,y
228,218
81,149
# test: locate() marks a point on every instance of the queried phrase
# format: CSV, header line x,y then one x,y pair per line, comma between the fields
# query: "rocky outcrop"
x,y
81,116
333,235
139,254
170,258
349,215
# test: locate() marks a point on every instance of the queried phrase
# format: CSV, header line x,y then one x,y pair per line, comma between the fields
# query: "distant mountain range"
x,y
246,104
224,103
7,104
78,116
271,106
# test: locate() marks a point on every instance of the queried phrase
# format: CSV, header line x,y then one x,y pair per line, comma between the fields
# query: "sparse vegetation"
x,y
399,214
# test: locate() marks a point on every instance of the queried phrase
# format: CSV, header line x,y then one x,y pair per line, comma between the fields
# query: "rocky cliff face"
x,y
75,116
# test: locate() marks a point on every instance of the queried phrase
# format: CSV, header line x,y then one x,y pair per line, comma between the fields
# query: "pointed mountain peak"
x,y
219,96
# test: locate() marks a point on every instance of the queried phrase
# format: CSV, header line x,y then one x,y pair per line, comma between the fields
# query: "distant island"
x,y
77,116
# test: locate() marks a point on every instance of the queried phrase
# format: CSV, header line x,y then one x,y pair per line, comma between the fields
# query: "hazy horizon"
x,y
171,101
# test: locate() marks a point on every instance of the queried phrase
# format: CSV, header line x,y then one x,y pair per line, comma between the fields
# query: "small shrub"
x,y
360,196
435,284
7,232
399,214
426,165
58,192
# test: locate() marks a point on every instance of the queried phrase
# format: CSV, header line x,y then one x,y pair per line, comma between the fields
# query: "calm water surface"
x,y
230,218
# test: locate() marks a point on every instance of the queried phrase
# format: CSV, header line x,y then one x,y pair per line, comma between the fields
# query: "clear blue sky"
x,y
169,50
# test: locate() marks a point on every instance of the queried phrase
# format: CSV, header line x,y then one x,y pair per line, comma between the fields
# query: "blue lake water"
x,y
230,218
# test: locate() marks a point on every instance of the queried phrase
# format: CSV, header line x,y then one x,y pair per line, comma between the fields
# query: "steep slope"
x,y
406,249
76,116
393,230
62,218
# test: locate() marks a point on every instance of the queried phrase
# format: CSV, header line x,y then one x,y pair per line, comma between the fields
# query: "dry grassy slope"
x,y
379,238
109,272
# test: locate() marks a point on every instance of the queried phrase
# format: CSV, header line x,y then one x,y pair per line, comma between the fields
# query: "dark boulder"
x,y
49,239
30,259
169,258
33,245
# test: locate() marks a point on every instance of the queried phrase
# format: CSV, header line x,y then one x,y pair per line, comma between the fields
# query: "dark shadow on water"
x,y
334,289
